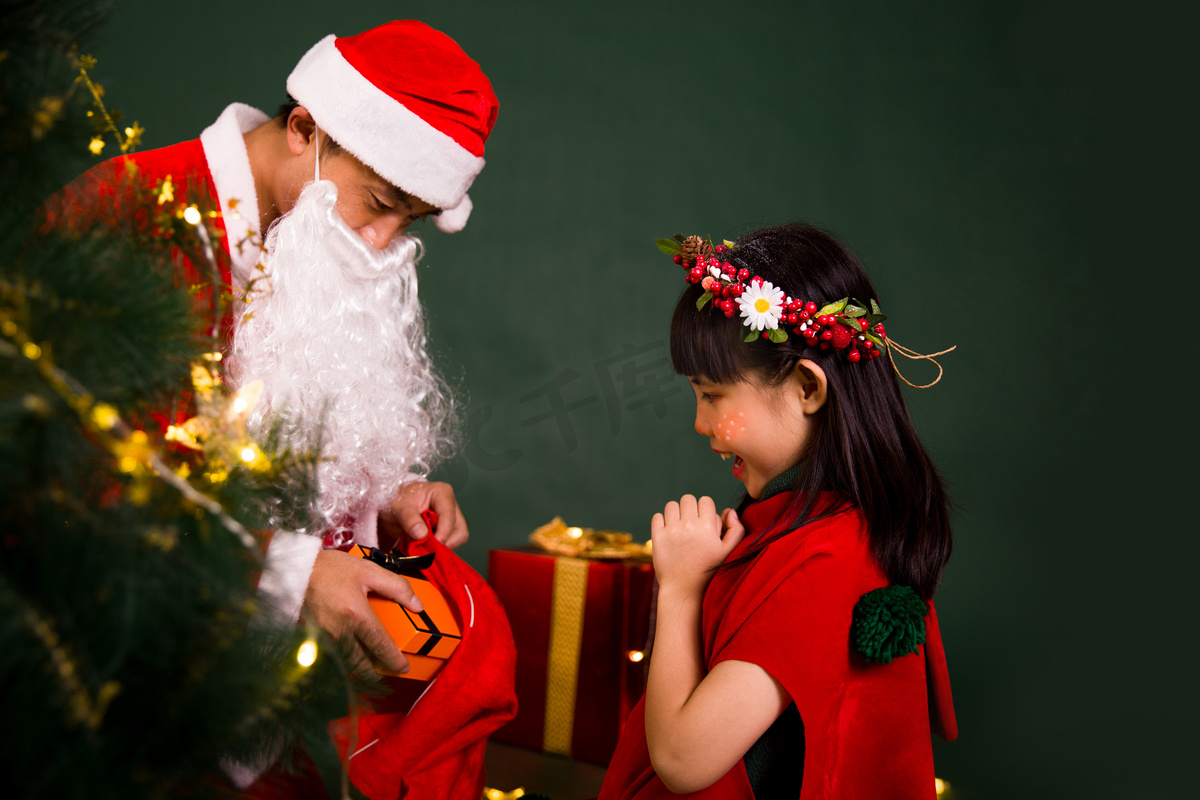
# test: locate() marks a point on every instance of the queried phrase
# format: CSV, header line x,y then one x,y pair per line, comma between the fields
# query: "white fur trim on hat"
x,y
403,148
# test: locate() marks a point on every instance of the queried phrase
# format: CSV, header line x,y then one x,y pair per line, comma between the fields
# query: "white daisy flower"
x,y
761,306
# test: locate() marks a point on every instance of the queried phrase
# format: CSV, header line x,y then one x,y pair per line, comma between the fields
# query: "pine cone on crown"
x,y
691,247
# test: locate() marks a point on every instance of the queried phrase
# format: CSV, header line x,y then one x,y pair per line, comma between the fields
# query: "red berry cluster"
x,y
837,330
726,289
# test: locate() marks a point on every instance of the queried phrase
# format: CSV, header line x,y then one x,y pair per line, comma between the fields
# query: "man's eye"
x,y
378,204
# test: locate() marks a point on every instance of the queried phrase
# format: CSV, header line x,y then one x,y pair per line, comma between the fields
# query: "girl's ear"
x,y
811,384
300,128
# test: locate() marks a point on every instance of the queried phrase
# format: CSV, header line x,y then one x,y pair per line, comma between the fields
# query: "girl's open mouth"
x,y
738,464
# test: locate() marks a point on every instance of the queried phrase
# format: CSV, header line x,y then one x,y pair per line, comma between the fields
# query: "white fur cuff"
x,y
290,559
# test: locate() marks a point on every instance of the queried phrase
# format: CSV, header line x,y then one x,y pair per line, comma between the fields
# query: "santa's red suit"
x,y
427,747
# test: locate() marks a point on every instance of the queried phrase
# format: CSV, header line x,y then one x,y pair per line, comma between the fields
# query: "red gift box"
x,y
580,627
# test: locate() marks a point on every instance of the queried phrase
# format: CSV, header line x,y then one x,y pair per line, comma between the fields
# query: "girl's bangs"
x,y
704,342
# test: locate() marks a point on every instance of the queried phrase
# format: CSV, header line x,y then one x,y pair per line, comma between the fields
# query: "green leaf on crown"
x,y
703,301
778,335
728,244
832,308
873,338
850,323
752,335
679,237
875,319
854,311
668,246
875,309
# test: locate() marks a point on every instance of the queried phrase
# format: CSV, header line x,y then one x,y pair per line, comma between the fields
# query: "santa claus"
x,y
382,130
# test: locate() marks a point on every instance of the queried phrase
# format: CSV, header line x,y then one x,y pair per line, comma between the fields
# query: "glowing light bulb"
x,y
574,533
104,416
248,454
940,786
239,405
306,656
636,655
497,794
191,215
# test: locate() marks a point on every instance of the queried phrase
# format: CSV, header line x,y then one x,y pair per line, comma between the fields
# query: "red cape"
x,y
867,727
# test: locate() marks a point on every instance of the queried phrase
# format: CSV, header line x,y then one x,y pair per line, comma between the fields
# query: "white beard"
x,y
335,333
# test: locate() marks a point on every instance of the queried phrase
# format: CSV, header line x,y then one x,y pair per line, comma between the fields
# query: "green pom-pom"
x,y
888,623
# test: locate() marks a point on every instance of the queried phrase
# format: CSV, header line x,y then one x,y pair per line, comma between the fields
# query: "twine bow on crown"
x,y
893,346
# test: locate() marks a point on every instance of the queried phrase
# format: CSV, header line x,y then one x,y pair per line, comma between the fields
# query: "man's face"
x,y
374,208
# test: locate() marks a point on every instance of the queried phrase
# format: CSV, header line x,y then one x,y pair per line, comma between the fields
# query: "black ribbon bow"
x,y
408,566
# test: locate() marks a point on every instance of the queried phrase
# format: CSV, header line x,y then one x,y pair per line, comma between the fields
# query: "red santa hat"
x,y
409,103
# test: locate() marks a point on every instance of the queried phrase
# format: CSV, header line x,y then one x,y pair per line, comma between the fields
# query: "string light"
x,y
191,215
940,786
306,656
636,655
167,193
105,416
496,794
248,455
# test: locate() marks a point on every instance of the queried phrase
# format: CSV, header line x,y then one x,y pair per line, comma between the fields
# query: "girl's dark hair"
x,y
864,448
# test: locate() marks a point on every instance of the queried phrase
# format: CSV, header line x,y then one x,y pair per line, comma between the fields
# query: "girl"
x,y
787,652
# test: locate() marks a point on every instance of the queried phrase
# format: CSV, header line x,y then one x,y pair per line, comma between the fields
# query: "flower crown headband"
x,y
848,325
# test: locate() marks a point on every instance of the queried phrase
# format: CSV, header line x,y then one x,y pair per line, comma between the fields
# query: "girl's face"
x,y
765,429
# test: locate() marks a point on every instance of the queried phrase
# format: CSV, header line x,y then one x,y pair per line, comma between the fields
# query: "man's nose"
x,y
380,232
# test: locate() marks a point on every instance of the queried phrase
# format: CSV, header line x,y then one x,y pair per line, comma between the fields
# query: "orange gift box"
x,y
427,638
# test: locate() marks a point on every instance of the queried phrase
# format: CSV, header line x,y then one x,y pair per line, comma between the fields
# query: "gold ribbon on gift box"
x,y
573,546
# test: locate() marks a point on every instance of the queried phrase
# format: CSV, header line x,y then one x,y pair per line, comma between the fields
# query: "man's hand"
x,y
404,517
336,600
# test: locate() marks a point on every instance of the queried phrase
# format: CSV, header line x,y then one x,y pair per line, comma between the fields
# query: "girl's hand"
x,y
690,539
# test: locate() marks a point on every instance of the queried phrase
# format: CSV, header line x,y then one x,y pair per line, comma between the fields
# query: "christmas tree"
x,y
135,653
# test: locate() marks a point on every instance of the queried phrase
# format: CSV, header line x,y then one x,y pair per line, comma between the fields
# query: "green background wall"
x,y
976,165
